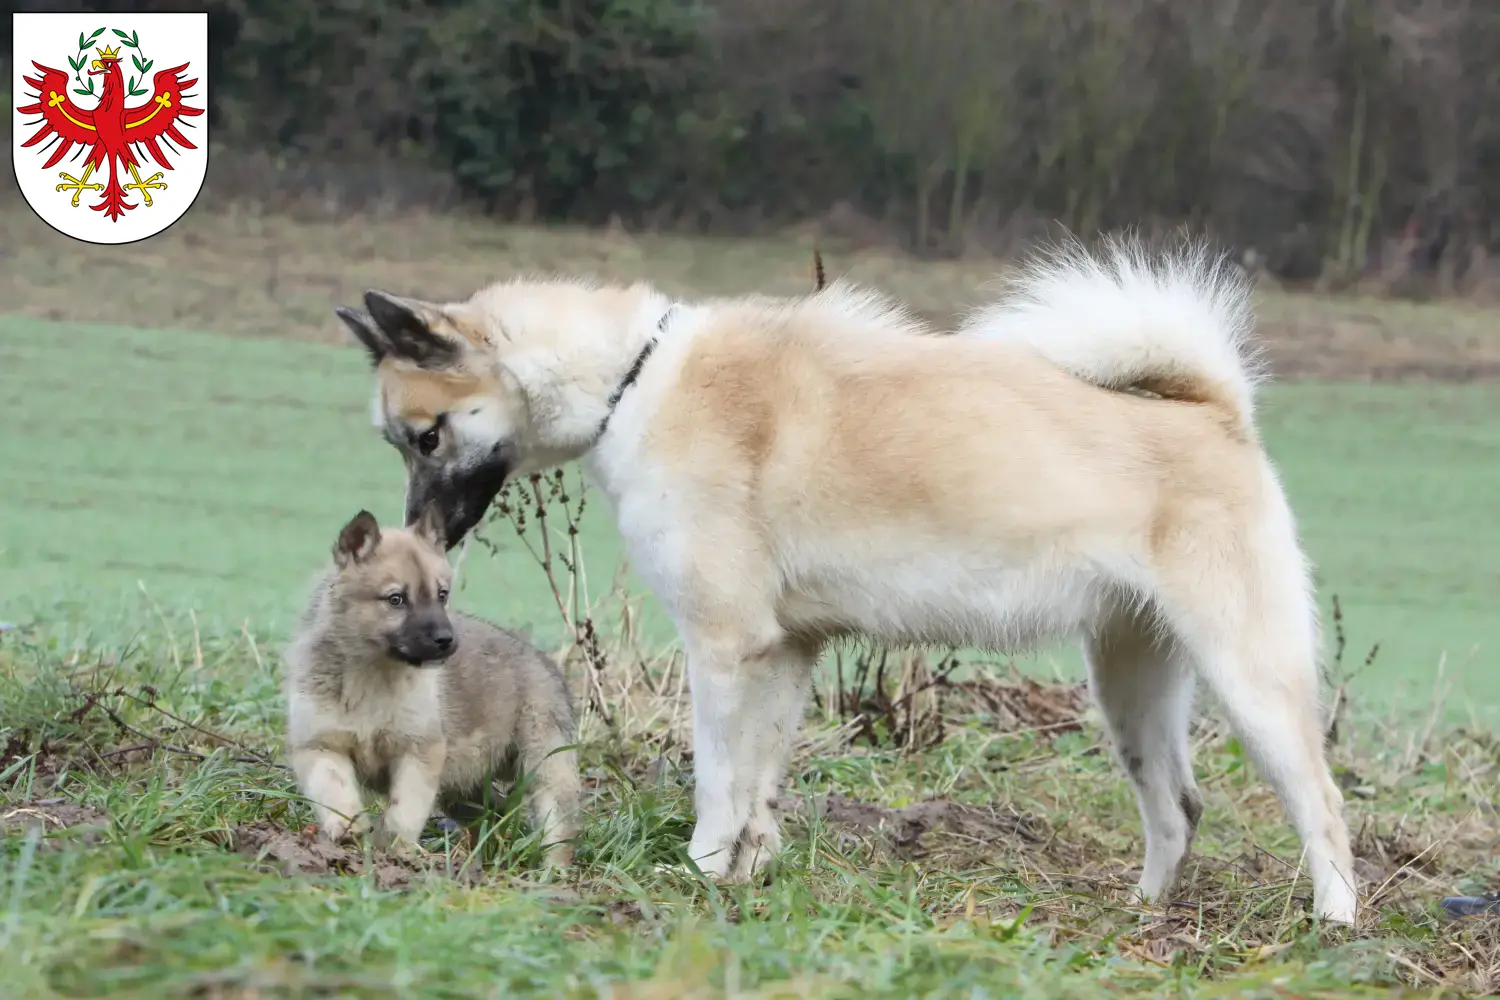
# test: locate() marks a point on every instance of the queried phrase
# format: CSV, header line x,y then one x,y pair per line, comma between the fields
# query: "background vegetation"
x,y
1328,138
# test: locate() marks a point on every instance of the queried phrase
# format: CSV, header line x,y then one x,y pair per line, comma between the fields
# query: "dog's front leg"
x,y
327,780
779,699
415,782
735,726
716,688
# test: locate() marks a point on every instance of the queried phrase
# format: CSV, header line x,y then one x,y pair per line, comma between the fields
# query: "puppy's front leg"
x,y
415,781
328,781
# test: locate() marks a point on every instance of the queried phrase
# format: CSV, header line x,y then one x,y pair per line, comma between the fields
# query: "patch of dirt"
x,y
303,852
51,758
1021,704
53,816
1391,852
15,748
623,912
905,828
1165,940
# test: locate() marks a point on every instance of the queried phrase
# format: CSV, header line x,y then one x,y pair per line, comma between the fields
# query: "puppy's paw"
x,y
342,832
395,842
399,847
335,830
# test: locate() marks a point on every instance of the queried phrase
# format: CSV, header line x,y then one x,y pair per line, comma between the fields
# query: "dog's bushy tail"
x,y
1177,323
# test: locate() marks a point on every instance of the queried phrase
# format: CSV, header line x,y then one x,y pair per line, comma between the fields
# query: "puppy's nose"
x,y
442,639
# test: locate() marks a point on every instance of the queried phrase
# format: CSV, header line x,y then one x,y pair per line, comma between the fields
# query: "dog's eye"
x,y
442,595
395,600
428,442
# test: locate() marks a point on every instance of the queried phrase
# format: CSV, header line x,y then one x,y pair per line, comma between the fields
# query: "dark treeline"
x,y
1320,134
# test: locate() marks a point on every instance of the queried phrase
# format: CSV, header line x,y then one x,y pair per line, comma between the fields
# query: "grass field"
x,y
172,485
211,473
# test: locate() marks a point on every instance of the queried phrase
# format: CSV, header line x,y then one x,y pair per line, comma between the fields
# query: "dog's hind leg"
x,y
554,789
782,702
1143,684
1277,720
1248,618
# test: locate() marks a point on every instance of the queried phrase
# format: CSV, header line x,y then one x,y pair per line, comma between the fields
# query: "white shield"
x,y
109,132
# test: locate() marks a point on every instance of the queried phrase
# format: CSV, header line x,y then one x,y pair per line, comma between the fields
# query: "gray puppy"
x,y
388,690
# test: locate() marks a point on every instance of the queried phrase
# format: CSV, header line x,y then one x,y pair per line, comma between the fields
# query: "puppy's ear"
x,y
358,540
429,526
362,325
411,329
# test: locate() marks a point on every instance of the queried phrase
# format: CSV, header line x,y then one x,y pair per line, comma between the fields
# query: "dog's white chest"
x,y
401,704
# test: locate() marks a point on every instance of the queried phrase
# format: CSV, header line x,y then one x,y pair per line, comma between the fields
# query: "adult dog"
x,y
1079,458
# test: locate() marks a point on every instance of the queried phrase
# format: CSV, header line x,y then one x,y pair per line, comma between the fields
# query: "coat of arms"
x,y
122,130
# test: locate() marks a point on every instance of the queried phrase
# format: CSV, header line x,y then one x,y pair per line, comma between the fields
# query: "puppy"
x,y
390,691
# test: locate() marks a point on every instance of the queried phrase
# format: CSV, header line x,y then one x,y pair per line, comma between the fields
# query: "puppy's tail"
x,y
1176,324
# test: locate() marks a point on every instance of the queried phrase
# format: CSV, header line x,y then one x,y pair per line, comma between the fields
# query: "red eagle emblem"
x,y
113,133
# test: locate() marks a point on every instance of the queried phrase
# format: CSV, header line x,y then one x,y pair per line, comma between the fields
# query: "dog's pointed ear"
x,y
358,540
411,329
429,526
362,325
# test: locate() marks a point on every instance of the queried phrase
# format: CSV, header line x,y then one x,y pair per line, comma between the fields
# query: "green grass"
x,y
211,472
1394,489
149,901
214,472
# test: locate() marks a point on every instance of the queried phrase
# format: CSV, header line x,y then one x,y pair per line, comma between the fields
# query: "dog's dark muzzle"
x,y
427,640
461,496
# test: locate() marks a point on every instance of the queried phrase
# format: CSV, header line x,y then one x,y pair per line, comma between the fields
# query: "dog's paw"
x,y
393,842
400,847
334,831
343,832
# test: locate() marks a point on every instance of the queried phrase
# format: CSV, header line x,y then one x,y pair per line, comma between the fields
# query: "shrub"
x,y
1308,130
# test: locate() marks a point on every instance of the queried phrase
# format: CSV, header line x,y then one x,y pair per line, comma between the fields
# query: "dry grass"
x,y
240,271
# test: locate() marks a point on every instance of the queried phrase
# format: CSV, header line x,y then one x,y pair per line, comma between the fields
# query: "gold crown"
x,y
108,53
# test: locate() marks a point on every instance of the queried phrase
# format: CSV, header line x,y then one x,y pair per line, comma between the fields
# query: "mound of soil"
x,y
52,815
302,852
904,828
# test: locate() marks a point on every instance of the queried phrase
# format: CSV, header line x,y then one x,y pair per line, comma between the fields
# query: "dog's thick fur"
x,y
369,706
1080,458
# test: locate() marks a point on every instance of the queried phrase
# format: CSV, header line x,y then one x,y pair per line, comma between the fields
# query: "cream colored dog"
x,y
1080,459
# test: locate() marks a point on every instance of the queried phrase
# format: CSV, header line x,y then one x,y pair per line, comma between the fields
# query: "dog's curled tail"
x,y
1177,324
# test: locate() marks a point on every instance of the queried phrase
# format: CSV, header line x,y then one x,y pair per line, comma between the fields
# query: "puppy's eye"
x,y
428,442
395,600
442,595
